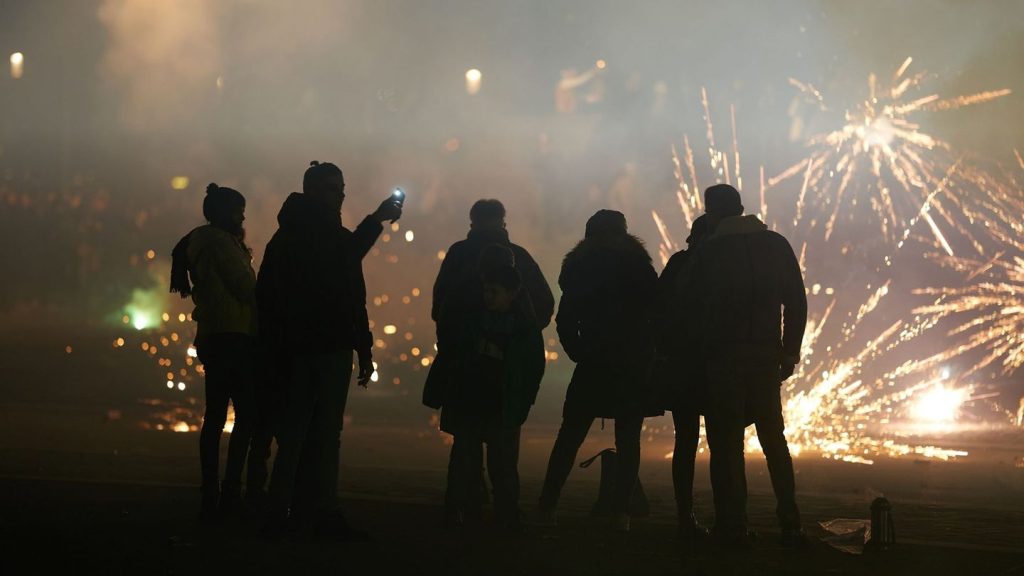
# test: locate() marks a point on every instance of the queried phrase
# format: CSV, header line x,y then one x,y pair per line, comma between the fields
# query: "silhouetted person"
x,y
458,282
494,364
274,359
312,290
754,308
682,366
222,286
461,263
608,289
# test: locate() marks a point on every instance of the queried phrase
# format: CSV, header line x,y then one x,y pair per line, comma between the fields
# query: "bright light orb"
x,y
141,321
17,65
940,404
473,79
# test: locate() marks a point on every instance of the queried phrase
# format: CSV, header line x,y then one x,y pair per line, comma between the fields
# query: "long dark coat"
x,y
604,324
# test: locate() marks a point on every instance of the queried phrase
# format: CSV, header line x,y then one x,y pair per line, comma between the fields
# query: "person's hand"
x,y
366,368
785,371
389,210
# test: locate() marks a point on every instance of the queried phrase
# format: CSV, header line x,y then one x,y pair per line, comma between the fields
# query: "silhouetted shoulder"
x,y
675,264
778,240
522,255
457,248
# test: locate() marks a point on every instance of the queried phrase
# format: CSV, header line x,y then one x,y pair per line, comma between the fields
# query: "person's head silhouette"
x,y
606,224
501,285
325,183
224,208
721,201
496,255
488,214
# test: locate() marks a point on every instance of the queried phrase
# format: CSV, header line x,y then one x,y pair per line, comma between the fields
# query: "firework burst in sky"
x,y
880,156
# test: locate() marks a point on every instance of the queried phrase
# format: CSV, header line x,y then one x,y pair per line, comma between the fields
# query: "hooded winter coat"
x,y
311,292
604,324
751,295
224,292
460,269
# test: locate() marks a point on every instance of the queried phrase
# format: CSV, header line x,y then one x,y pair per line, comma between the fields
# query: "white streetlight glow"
x,y
17,65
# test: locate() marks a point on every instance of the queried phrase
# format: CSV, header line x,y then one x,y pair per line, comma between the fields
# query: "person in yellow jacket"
x,y
213,265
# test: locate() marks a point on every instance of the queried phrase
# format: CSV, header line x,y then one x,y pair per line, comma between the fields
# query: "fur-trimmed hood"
x,y
625,245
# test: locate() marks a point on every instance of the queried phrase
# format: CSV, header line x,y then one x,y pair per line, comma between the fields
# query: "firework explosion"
x,y
852,398
908,168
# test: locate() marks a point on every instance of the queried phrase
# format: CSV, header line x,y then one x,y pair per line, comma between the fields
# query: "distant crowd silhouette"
x,y
715,335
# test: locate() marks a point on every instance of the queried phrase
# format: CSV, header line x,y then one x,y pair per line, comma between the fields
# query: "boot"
x,y
208,506
230,496
690,531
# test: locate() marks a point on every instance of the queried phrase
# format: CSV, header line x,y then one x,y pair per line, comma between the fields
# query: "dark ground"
x,y
87,491
89,496
97,528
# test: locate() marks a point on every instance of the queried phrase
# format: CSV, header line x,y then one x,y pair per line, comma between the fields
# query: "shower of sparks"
x,y
835,408
855,398
987,309
905,173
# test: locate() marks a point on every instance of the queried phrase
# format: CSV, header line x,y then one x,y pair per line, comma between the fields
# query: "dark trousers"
x,y
310,431
563,456
465,487
686,420
454,496
271,398
738,395
228,364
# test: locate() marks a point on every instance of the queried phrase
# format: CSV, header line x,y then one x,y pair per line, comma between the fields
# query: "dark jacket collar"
x,y
489,236
745,224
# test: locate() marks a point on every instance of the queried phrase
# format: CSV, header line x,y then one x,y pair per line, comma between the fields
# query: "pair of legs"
x,y
563,457
228,363
739,394
309,436
271,398
465,485
686,420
